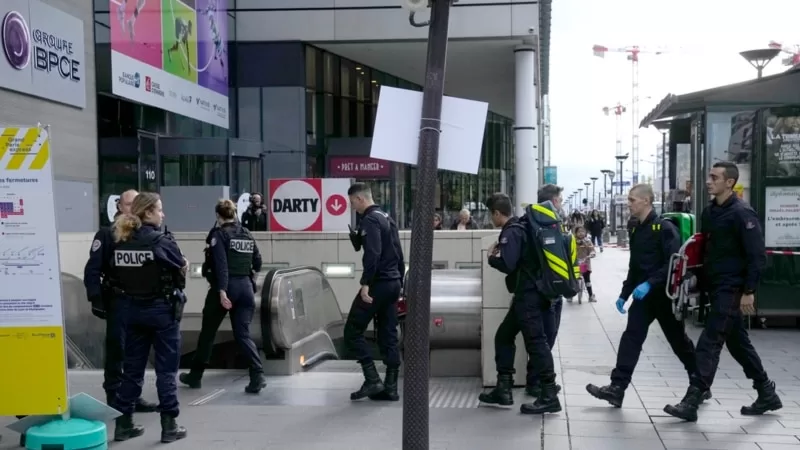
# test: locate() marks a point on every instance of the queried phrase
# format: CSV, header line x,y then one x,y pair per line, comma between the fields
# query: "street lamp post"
x,y
760,58
613,208
621,160
580,198
594,193
416,420
605,173
663,127
587,193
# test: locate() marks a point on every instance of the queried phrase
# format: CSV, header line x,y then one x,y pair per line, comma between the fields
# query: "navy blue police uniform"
x,y
528,313
653,241
148,284
96,279
384,268
734,259
233,258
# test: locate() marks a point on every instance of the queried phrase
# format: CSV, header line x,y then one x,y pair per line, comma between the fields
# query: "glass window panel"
x,y
329,113
361,119
331,73
347,71
249,112
311,67
170,171
344,117
311,116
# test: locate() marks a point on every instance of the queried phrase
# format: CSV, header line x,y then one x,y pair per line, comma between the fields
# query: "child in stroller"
x,y
585,254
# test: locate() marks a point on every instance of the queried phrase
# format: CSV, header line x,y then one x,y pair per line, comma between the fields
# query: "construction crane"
x,y
632,53
792,50
618,110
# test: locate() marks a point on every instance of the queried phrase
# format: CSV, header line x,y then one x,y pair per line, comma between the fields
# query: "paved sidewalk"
x,y
312,411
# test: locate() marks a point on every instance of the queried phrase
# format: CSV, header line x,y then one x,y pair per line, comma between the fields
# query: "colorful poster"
x,y
172,54
782,217
31,309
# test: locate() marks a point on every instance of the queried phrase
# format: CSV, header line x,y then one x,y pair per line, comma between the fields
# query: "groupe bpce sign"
x,y
44,51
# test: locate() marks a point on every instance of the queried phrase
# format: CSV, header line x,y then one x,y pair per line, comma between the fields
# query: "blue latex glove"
x,y
621,305
641,291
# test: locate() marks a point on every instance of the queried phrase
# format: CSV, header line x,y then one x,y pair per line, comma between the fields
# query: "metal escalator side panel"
x,y
85,334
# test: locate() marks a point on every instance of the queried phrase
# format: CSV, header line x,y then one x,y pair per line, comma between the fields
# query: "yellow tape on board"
x,y
33,369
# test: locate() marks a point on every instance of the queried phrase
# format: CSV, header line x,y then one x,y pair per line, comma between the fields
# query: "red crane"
x,y
632,52
792,50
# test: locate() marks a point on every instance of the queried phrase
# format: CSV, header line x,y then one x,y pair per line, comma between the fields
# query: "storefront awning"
x,y
780,89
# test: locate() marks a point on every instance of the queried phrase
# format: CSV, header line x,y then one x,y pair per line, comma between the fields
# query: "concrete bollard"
x,y
622,237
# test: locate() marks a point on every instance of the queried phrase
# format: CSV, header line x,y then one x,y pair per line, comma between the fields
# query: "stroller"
x,y
682,283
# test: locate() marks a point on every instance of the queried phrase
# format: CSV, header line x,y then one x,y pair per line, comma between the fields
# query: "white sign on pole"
x,y
309,204
31,311
782,217
620,199
397,130
111,206
242,204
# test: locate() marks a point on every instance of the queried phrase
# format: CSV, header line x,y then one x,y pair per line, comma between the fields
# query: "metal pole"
x,y
663,171
416,421
605,192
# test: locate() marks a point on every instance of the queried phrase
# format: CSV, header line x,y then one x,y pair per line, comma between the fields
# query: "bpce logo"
x,y
50,52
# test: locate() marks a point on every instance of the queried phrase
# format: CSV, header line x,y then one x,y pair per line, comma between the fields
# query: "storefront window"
x,y
783,143
194,170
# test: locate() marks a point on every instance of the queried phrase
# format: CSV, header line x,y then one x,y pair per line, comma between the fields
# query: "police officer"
x,y
528,313
734,258
232,259
148,274
97,282
653,242
381,282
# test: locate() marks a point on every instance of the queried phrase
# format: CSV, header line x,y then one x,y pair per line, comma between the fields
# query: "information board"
x,y
33,372
782,217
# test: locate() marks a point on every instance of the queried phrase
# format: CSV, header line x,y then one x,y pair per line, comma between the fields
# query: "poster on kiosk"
x,y
309,204
33,367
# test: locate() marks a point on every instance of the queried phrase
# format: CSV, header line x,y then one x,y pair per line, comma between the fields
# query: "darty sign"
x,y
358,167
309,204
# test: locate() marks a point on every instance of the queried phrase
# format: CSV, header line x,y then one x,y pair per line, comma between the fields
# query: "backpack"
x,y
556,251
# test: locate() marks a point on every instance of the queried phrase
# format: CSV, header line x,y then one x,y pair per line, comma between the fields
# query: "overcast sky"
x,y
703,38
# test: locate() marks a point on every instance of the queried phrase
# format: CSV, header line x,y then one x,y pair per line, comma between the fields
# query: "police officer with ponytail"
x,y
232,259
148,276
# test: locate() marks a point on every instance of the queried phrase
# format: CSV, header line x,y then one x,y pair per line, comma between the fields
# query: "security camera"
x,y
414,5
531,30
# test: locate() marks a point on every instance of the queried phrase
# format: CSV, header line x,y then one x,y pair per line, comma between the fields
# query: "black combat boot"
x,y
612,393
501,394
687,408
170,430
372,382
767,400
389,393
192,379
535,390
547,402
143,406
125,428
257,383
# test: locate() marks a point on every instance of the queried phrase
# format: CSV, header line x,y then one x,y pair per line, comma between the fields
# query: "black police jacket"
x,y
98,266
219,245
148,265
734,247
652,242
383,252
515,258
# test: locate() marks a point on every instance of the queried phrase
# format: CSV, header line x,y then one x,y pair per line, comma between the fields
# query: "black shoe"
x,y
389,393
767,400
191,380
687,408
501,394
612,393
547,402
706,396
372,382
143,406
125,428
257,383
535,390
170,430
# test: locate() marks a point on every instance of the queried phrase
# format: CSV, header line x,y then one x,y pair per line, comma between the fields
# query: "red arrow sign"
x,y
336,205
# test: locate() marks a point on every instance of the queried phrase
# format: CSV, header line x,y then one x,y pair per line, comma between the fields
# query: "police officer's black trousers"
x,y
527,314
240,293
115,350
385,294
551,319
725,326
149,324
642,313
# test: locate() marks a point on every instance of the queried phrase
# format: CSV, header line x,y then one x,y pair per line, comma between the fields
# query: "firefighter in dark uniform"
x,y
529,309
98,291
232,259
734,258
653,242
148,276
381,283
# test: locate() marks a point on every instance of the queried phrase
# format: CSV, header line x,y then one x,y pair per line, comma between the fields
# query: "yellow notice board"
x,y
33,370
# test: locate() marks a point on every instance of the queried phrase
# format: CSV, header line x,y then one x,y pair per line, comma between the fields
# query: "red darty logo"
x,y
296,205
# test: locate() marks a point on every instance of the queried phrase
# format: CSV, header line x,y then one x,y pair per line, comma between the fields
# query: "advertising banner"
x,y
782,217
173,55
33,373
43,52
309,204
551,175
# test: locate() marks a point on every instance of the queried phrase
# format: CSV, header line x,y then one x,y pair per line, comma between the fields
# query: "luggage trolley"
x,y
682,286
